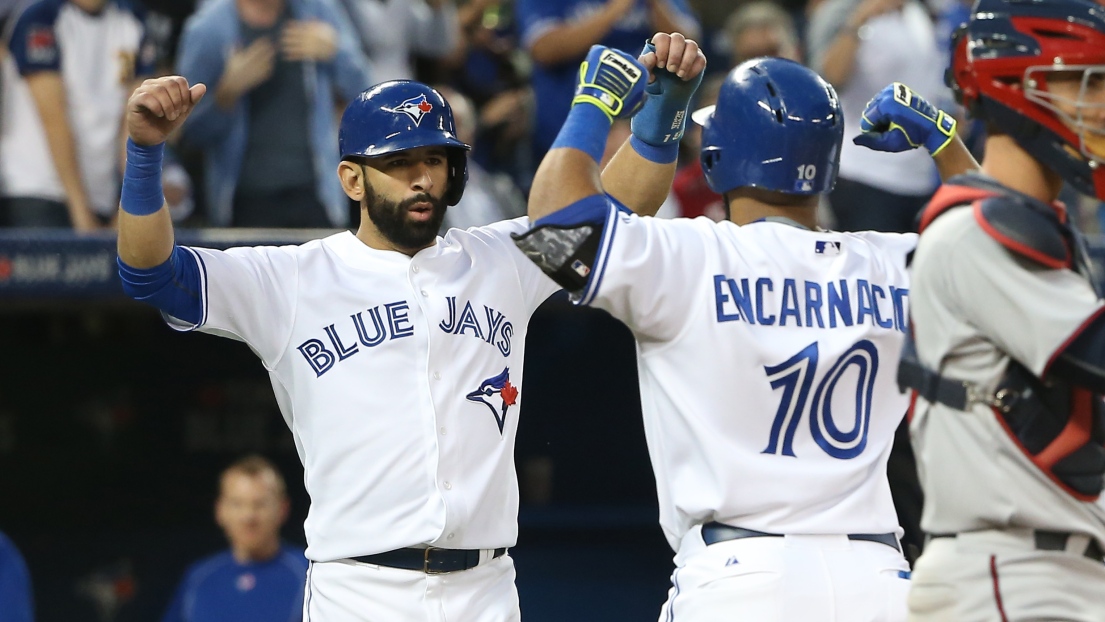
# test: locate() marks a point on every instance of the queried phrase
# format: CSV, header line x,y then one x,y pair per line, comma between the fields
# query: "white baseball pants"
x,y
790,578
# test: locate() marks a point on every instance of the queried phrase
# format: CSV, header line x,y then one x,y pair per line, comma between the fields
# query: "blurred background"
x,y
114,429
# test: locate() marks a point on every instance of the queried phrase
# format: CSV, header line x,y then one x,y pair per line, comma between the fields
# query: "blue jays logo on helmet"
x,y
415,108
497,394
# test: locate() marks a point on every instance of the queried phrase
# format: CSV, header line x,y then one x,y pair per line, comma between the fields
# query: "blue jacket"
x,y
16,599
208,39
220,589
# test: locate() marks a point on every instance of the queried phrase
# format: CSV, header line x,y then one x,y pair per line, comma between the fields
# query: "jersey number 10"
x,y
795,377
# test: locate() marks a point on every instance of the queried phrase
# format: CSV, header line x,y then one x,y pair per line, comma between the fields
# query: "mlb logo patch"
x,y
581,268
828,248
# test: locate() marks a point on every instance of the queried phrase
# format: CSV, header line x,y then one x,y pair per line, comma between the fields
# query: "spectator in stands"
x,y
558,33
389,31
267,128
72,65
860,46
761,28
260,579
488,197
16,598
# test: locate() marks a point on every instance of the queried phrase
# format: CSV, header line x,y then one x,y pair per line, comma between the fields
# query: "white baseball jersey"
x,y
981,306
767,357
98,57
400,378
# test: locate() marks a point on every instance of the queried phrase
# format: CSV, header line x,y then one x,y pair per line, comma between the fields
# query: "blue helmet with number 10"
x,y
777,126
400,115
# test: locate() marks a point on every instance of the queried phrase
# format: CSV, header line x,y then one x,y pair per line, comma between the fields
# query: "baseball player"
x,y
260,578
1009,366
766,350
395,355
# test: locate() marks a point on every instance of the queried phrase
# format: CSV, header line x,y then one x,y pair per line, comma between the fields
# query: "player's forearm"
x,y
565,176
570,41
954,159
145,241
145,227
637,182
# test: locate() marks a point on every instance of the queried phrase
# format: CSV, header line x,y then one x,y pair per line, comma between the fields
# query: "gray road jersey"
x,y
975,305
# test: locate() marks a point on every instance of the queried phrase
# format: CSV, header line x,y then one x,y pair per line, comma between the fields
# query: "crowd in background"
x,y
261,149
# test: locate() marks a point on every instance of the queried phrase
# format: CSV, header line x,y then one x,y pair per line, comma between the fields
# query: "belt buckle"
x,y
426,563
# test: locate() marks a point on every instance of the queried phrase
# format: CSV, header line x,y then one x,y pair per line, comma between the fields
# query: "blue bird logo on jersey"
x,y
496,386
415,108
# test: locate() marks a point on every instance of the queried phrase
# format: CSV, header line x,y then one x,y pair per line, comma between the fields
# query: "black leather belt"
x,y
718,532
430,560
1050,541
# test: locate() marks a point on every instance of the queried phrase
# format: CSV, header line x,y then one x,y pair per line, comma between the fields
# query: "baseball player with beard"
x,y
1009,366
766,351
395,355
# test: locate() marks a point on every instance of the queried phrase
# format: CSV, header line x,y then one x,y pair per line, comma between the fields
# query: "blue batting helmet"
x,y
777,125
400,115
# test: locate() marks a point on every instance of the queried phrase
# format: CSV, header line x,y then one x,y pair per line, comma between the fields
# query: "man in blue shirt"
x,y
267,132
558,34
16,597
259,579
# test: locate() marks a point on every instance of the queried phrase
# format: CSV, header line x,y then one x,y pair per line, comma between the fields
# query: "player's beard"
x,y
391,219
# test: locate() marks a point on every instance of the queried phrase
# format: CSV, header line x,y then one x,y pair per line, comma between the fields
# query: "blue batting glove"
x,y
612,81
663,118
897,119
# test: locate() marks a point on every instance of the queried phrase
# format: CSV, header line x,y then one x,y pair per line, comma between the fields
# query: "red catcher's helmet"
x,y
1001,62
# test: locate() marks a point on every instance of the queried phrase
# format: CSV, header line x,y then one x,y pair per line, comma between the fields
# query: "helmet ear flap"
x,y
458,175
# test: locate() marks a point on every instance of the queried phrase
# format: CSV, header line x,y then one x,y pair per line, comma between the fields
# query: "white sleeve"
x,y
249,294
641,273
536,286
1025,309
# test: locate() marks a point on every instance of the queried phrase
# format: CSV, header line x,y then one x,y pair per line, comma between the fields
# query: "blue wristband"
x,y
586,129
142,194
663,118
665,154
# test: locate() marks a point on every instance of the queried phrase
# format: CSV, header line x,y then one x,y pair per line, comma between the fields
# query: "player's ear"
x,y
351,175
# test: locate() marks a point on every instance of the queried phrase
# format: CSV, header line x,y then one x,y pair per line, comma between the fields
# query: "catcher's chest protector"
x,y
1059,426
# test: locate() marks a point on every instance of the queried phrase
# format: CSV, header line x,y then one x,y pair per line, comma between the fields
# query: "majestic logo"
x,y
415,108
496,385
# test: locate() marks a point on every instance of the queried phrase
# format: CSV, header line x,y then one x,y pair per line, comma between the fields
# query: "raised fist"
x,y
897,119
158,107
613,81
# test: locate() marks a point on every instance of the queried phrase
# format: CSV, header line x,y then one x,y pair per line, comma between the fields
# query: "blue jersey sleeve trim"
x,y
594,284
176,287
588,210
